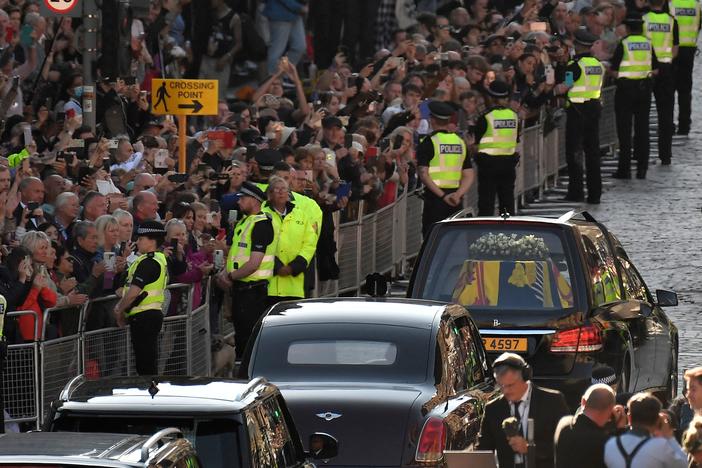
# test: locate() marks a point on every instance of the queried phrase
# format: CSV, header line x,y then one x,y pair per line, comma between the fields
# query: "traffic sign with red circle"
x,y
62,7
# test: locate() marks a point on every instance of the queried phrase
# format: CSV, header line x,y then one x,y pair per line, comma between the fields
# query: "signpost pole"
x,y
182,132
90,23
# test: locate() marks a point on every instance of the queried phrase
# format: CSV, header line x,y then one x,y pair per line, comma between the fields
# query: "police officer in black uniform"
x,y
249,264
662,29
634,63
583,125
444,167
144,297
496,133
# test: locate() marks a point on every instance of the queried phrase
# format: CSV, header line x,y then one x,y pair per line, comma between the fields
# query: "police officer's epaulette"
x,y
490,109
268,216
150,255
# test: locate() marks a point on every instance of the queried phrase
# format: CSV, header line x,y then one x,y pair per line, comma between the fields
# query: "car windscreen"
x,y
496,267
349,352
216,440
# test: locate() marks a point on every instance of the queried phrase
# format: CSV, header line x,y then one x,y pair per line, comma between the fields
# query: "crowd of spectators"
x,y
337,116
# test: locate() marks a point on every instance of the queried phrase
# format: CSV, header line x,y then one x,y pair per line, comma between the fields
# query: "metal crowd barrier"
x,y
85,339
385,241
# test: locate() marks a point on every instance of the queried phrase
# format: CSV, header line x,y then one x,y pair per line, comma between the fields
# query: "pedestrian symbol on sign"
x,y
161,96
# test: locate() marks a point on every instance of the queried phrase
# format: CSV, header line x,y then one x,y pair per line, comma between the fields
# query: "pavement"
x,y
659,222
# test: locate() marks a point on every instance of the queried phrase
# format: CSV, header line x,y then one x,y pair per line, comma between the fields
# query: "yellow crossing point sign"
x,y
184,97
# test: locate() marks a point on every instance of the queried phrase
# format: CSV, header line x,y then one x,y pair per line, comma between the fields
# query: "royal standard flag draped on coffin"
x,y
532,284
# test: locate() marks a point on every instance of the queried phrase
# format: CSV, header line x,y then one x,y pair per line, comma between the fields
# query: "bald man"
x,y
580,439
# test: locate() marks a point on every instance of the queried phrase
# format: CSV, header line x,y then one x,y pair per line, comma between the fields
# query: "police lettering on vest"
x,y
659,30
500,137
589,83
636,59
240,251
155,292
447,164
687,13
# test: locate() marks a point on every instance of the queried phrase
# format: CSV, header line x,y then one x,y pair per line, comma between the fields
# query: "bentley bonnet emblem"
x,y
495,323
328,416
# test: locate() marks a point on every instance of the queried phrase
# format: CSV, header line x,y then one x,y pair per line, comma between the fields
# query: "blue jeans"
x,y
288,35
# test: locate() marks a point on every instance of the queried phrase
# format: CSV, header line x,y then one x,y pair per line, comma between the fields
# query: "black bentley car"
x,y
395,381
561,292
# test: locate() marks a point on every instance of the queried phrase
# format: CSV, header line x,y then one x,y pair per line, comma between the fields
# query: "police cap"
x,y
498,89
585,37
440,110
249,189
603,375
151,229
633,19
266,158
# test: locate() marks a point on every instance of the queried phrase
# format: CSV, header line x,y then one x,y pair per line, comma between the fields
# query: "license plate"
x,y
505,344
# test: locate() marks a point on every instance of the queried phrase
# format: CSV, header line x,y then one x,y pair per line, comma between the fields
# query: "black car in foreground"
x,y
561,292
395,381
44,449
232,424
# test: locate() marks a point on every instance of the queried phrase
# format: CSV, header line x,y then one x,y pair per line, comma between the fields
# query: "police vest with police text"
x,y
240,251
658,28
447,164
296,236
156,291
687,14
636,61
500,137
589,84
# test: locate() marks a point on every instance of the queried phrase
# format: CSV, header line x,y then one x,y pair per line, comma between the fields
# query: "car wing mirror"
x,y
666,298
323,446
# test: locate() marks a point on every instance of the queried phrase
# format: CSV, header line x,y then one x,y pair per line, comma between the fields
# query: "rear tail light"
x,y
577,340
432,441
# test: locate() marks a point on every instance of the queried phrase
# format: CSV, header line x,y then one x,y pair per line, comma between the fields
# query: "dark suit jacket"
x,y
579,443
546,409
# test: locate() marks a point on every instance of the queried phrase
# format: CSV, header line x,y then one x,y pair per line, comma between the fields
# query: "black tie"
x,y
516,405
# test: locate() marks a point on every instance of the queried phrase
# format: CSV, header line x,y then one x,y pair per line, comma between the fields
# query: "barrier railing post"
x,y
188,331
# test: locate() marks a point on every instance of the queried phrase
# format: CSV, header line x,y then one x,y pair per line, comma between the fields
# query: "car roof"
x,y
175,394
414,313
103,446
568,219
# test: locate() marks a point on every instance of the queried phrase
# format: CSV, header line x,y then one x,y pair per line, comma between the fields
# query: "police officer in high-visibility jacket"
x,y
297,241
662,30
496,133
144,295
249,265
444,167
633,63
687,14
583,124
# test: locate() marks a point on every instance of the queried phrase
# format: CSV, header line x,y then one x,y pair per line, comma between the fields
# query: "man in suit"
x,y
580,439
523,400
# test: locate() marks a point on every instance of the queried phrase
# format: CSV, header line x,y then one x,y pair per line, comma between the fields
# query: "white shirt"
x,y
656,453
130,164
523,417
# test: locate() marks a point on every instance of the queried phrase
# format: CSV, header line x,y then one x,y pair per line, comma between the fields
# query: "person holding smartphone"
x,y
586,74
444,168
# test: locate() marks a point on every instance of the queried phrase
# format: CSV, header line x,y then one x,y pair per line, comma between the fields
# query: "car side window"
x,y
260,451
463,367
602,271
469,353
634,285
279,439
